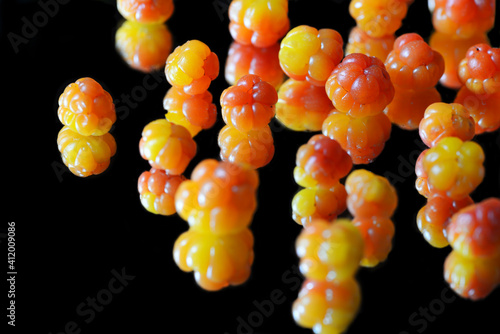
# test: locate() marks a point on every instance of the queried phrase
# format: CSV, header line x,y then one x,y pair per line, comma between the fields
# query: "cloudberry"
x,y
454,168
85,155
360,86
258,22
157,191
249,104
192,67
167,146
307,53
445,120
480,69
87,108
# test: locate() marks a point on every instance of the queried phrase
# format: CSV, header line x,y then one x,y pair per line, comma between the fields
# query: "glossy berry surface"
x,y
454,168
327,307
302,106
360,42
370,195
157,191
248,59
146,11
258,22
192,67
378,17
435,216
421,183
453,50
329,251
87,108
217,260
480,69
413,64
377,235
407,108
446,120
475,230
471,278
318,203
321,162
362,138
307,53
167,146
85,155
482,108
144,47
249,104
360,86
198,110
255,147
463,18
220,198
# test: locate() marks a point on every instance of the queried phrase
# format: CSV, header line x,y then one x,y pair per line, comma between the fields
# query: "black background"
x,y
72,232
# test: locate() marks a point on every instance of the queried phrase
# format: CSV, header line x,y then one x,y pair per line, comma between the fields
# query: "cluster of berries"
x,y
458,25
320,165
415,70
247,108
87,112
256,27
330,255
376,24
479,71
168,143
143,40
473,267
449,170
190,69
372,200
307,56
218,202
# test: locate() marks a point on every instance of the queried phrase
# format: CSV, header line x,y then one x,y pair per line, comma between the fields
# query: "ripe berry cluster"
x,y
256,27
247,109
320,164
415,70
143,40
458,25
307,56
87,112
449,170
330,255
376,25
372,200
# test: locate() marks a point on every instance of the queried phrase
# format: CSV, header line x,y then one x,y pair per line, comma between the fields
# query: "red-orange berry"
x,y
480,69
321,162
446,120
413,64
360,86
146,11
474,231
250,104
302,106
86,108
248,59
157,191
363,138
435,216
